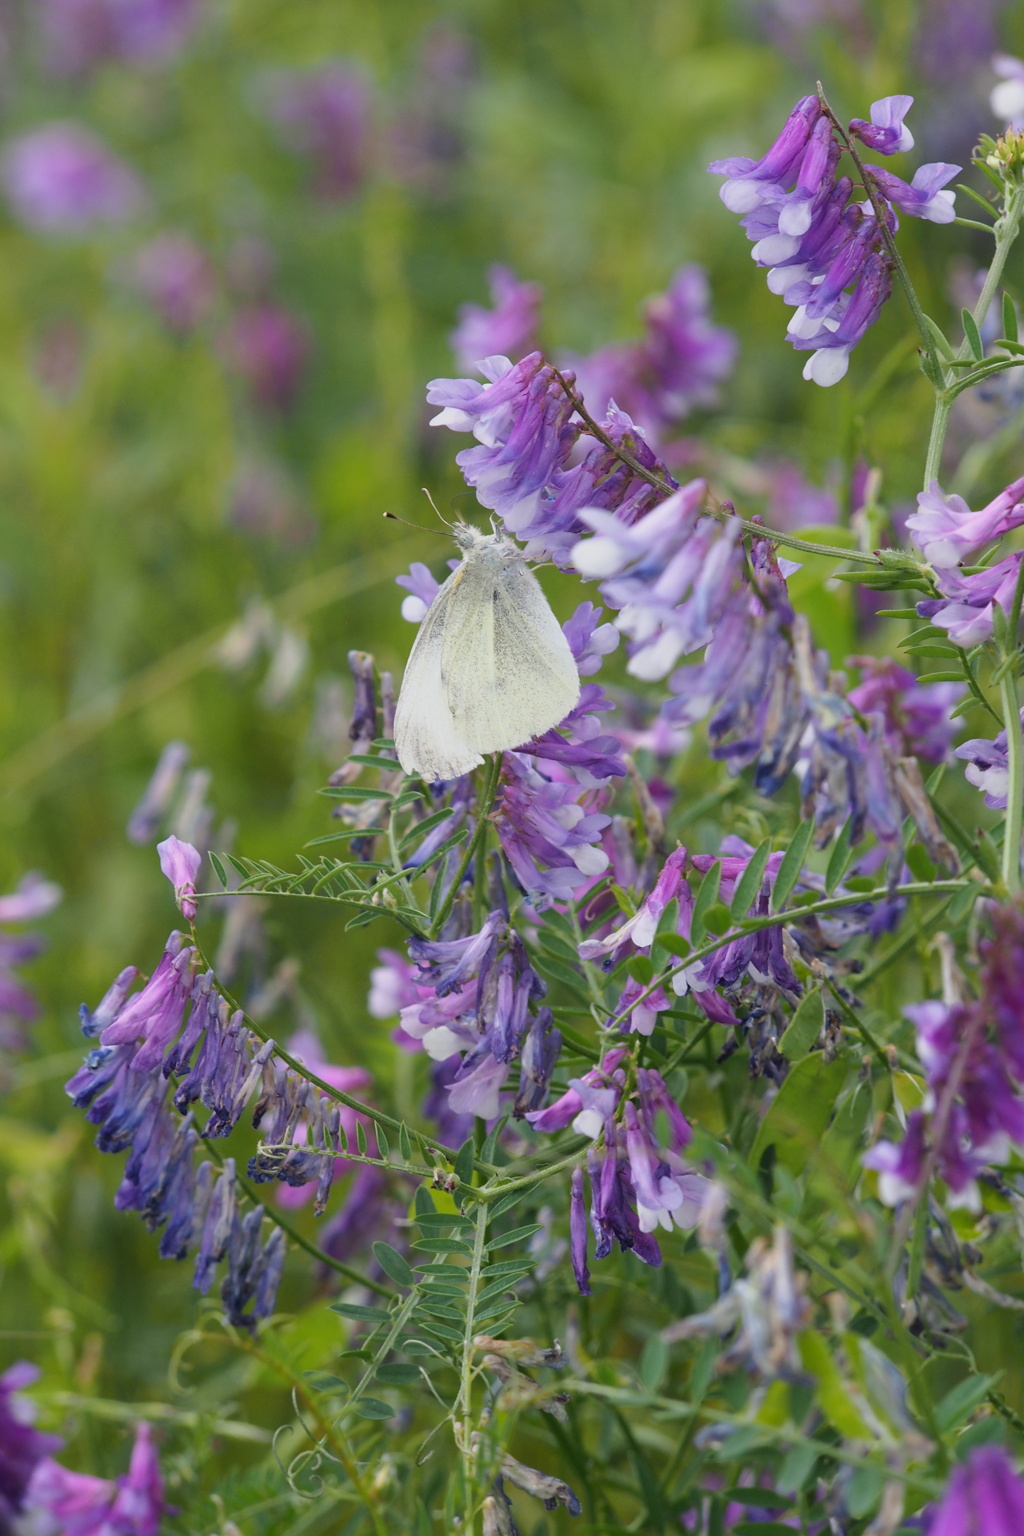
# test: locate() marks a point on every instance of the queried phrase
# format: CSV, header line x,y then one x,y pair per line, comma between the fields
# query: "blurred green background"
x,y
148,498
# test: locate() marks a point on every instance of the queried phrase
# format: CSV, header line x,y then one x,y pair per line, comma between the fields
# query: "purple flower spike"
x,y
180,863
174,273
507,330
985,1498
886,132
946,530
77,1504
60,179
966,610
924,197
159,792
324,115
34,897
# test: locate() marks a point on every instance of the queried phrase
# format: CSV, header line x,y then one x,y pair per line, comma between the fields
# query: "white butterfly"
x,y
490,667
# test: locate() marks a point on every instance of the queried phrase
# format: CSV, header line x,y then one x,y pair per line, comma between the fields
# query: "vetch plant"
x,y
740,1073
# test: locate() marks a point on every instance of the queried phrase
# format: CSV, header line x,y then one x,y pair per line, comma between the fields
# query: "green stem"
x,y
1015,779
464,1405
1005,231
484,806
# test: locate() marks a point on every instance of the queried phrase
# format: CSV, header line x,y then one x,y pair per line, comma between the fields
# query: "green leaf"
x,y
797,1466
443,1245
490,1145
323,1381
864,1489
941,677
940,339
393,1265
423,827
383,1145
508,1238
971,334
359,1314
707,895
839,857
641,968
718,919
654,1362
439,1331
674,944
802,1032
464,1160
799,1113
354,792
749,882
792,864
508,1202
218,867
759,1498
404,1143
1010,319
373,1408
397,1374
959,1403
832,1391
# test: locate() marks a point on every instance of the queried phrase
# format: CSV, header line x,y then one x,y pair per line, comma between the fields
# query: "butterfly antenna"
x,y
404,520
435,507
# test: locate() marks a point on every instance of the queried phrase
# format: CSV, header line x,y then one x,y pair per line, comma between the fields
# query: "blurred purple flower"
x,y
22,1448
77,1504
985,1497
918,718
510,328
324,114
263,501
174,273
79,34
33,898
148,815
60,179
1007,98
428,140
268,347
675,368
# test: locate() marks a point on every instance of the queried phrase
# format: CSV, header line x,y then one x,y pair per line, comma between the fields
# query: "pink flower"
x,y
180,863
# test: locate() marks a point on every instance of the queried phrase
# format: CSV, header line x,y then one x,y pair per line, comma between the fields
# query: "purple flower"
x,y
174,273
60,179
508,330
22,1447
428,138
549,827
917,717
596,1093
985,1497
521,418
324,114
159,792
79,34
157,1012
640,929
966,609
578,1233
829,256
180,863
669,576
751,182
988,767
269,348
34,897
923,198
900,1166
77,1504
947,531
422,586
886,133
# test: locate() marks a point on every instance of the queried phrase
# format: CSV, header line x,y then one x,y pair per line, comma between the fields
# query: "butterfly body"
x,y
490,667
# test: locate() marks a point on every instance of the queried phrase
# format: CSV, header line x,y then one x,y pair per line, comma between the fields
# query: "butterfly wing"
x,y
426,738
508,671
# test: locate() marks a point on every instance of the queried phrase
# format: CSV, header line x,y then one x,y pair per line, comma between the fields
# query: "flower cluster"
x,y
524,422
828,256
77,1504
636,1184
60,179
973,1058
947,532
473,998
324,115
79,35
507,330
179,1027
